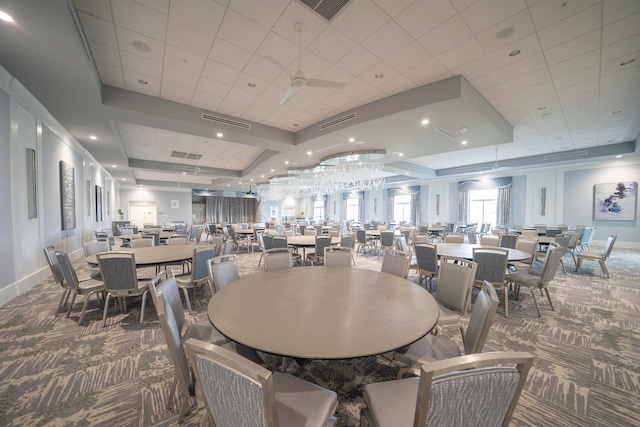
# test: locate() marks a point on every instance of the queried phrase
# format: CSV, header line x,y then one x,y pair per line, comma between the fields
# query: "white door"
x,y
143,213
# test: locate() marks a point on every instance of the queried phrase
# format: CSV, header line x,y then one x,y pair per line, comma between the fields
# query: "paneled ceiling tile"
x,y
331,45
504,99
100,9
629,47
496,91
295,13
279,48
177,75
621,29
613,66
428,72
577,77
356,88
621,76
185,140
524,66
615,10
631,86
527,46
531,79
311,64
358,61
476,68
337,100
242,31
140,19
270,99
360,11
423,16
586,90
161,6
547,99
213,87
445,36
388,39
488,80
544,87
246,81
484,14
570,28
276,120
126,39
220,72
397,85
233,55
241,95
98,30
461,54
575,64
184,60
546,13
141,65
578,46
105,54
203,14
176,92
408,57
382,68
298,102
317,93
393,7
133,81
519,24
336,74
189,38
110,75
263,12
373,95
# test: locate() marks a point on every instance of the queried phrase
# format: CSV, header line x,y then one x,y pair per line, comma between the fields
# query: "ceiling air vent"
x,y
338,121
183,155
225,121
446,133
325,8
569,155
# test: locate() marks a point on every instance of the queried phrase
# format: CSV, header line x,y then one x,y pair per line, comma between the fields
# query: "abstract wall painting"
x,y
615,201
67,196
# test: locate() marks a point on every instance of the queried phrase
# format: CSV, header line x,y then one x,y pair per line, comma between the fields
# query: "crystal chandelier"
x,y
323,180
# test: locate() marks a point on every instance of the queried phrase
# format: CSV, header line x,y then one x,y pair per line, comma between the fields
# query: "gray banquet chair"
x,y
317,256
199,274
238,392
92,247
349,241
492,267
337,256
508,240
427,261
529,246
471,390
601,257
363,242
587,238
277,259
387,241
223,270
56,271
454,238
396,262
144,242
118,270
87,287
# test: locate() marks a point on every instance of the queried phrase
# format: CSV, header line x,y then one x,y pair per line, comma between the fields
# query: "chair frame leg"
x,y
533,295
188,301
605,270
546,290
63,300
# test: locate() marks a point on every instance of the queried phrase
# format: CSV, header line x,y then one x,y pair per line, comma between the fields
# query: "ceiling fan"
x,y
298,79
250,193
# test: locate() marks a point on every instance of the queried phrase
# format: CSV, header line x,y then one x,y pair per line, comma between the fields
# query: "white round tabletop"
x,y
154,255
465,251
323,313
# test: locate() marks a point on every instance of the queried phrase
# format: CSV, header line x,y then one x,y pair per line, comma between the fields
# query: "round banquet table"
x,y
163,235
338,313
155,255
305,242
465,251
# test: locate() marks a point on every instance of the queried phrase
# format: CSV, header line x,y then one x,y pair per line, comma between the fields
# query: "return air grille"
x,y
225,121
325,8
568,155
338,121
446,133
183,155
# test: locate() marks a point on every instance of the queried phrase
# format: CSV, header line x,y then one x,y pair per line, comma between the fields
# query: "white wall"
x,y
162,198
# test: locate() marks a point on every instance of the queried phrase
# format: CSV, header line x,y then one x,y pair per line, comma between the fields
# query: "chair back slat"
x,y
118,270
201,254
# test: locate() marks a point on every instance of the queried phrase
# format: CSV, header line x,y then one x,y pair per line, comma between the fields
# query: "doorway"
x,y
141,213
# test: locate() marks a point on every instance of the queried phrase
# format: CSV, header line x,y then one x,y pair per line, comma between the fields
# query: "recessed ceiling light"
x,y
295,125
141,46
309,153
618,156
352,140
272,170
542,108
425,121
406,173
5,16
515,52
93,137
379,76
616,112
184,173
251,84
627,62
228,185
143,82
251,179
261,176
465,142
503,34
219,135
113,166
286,162
400,154
124,179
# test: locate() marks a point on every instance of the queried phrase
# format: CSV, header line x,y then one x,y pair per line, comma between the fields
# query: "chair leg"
x,y
186,297
106,308
172,394
546,290
563,267
604,268
144,300
84,307
533,295
73,300
63,300
578,265
505,291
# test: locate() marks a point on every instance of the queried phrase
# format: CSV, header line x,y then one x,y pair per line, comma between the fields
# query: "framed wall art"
x,y
615,201
67,196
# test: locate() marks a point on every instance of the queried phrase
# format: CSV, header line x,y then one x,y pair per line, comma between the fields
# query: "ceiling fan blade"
x,y
325,83
292,91
282,68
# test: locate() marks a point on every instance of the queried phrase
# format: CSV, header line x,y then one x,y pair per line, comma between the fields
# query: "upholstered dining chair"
x,y
238,392
118,270
277,259
601,257
427,262
490,240
540,281
166,298
492,267
348,240
363,242
454,238
508,240
433,347
92,247
453,293
199,274
387,241
528,246
587,238
317,256
87,287
144,242
475,389
58,277
223,270
396,262
337,256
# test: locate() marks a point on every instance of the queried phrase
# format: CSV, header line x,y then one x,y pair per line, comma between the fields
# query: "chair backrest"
x,y
472,237
321,243
396,262
587,236
529,233
454,391
118,270
277,259
580,230
267,241
485,228
508,240
492,264
223,270
347,240
454,238
361,235
427,257
575,237
227,248
386,238
310,232
489,240
142,243
482,313
563,241
402,244
154,236
337,256
54,265
201,254
541,228
178,240
166,299
236,391
608,246
260,239
92,247
67,270
529,246
280,242
551,264
455,282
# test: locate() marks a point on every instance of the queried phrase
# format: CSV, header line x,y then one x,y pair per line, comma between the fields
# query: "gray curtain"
x,y
361,208
504,206
390,205
463,207
231,209
415,208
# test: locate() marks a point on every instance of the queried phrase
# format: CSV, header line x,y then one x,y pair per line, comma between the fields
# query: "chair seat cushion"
x,y
393,403
91,285
300,403
205,331
448,317
429,348
523,279
590,255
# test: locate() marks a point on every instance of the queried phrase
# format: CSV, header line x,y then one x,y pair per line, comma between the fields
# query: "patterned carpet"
x,y
586,372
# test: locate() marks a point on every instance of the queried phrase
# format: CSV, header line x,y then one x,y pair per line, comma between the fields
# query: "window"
x,y
402,208
483,206
353,206
318,210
